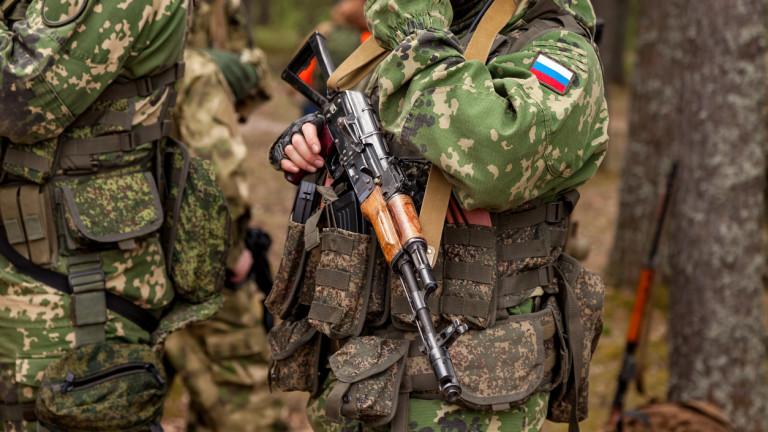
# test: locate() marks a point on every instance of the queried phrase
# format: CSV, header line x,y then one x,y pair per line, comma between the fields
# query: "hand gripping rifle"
x,y
642,297
356,150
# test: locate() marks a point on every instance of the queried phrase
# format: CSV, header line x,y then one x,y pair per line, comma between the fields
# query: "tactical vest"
x,y
104,185
534,312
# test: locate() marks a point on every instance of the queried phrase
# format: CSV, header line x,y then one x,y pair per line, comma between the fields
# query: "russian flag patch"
x,y
552,74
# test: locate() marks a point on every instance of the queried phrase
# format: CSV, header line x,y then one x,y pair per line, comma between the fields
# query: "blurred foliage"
x,y
279,27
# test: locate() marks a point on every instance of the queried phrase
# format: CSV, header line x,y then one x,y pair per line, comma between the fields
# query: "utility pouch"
x,y
499,367
469,275
103,387
587,291
110,209
296,347
27,216
369,371
342,283
196,232
31,162
287,282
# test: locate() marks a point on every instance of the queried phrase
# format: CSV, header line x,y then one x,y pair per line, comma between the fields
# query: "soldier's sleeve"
x,y
503,132
56,62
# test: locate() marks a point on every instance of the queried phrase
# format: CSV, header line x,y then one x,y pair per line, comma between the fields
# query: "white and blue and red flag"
x,y
552,74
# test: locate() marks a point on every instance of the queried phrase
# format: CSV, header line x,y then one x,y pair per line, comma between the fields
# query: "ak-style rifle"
x,y
355,151
637,320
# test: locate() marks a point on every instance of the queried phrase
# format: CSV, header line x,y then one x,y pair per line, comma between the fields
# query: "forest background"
x,y
676,92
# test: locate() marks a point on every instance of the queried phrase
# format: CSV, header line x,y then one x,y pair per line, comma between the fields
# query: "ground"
x,y
272,197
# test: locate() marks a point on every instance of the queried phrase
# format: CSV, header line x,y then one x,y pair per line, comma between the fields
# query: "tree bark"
x,y
716,251
653,103
700,99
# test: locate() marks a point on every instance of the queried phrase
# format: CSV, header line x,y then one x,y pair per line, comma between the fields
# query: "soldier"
x,y
223,362
89,288
514,136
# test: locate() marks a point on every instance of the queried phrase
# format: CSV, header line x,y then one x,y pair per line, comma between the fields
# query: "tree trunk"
x,y
701,99
716,250
264,12
614,15
653,102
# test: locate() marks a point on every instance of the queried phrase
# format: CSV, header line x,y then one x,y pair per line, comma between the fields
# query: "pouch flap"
x,y
501,366
114,208
289,336
366,356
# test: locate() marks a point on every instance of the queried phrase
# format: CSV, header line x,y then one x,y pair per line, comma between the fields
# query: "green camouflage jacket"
x,y
501,134
55,61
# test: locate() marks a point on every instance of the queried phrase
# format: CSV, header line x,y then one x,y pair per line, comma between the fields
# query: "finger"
x,y
289,166
310,134
298,160
301,146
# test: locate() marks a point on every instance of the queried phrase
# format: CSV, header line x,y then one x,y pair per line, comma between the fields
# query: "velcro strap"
x,y
469,237
11,217
333,278
474,272
145,86
17,412
334,402
338,243
26,159
325,313
518,287
89,303
531,249
463,306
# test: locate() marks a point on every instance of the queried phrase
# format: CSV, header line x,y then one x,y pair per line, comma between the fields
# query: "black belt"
x,y
60,282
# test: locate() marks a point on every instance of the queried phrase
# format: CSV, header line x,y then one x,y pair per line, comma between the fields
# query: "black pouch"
x,y
287,281
342,283
103,387
296,347
369,371
587,292
469,275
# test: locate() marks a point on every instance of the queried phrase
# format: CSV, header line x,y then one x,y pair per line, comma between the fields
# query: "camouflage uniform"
x,y
220,24
510,142
223,362
77,131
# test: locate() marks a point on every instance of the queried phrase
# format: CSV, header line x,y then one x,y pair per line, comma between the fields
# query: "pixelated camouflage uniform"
x,y
223,361
506,143
57,57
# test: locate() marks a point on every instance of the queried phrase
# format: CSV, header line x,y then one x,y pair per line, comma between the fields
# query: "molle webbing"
x,y
60,282
77,154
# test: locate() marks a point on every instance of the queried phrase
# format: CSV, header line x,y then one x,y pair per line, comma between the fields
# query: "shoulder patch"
x,y
552,74
58,13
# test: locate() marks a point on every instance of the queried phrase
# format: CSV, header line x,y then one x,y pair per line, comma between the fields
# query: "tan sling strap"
x,y
361,62
357,66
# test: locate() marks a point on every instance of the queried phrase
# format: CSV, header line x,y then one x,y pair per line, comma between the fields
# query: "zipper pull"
x,y
69,382
155,373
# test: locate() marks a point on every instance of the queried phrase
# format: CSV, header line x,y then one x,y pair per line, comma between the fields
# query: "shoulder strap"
x,y
61,282
361,62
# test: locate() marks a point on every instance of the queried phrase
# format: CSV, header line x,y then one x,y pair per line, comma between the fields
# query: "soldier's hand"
x,y
303,154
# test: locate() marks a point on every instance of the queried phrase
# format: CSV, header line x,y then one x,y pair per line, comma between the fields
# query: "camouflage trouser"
x,y
223,365
435,416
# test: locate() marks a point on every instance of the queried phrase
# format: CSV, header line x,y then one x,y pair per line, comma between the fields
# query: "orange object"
x,y
641,300
364,36
308,74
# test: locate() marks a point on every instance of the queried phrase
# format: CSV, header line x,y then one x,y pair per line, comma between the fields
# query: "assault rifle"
x,y
636,323
356,151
